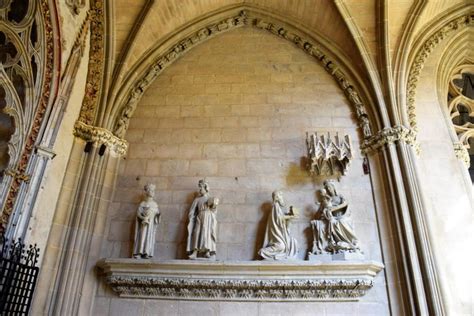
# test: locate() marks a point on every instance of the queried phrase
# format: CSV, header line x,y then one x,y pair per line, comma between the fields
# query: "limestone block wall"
x,y
235,110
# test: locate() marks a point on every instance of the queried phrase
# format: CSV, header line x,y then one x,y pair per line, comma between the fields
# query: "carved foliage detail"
x,y
388,136
255,290
31,34
420,60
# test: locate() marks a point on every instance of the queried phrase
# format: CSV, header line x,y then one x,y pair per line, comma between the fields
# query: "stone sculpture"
x,y
202,226
328,156
147,220
278,243
333,233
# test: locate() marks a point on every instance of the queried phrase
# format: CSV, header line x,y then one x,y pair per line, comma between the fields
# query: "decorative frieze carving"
x,y
101,136
249,281
38,92
244,18
96,63
388,136
421,57
327,156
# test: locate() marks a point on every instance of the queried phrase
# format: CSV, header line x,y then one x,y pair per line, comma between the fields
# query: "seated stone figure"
x,y
332,231
278,243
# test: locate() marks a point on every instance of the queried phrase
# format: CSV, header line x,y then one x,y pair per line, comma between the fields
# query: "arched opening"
x,y
235,110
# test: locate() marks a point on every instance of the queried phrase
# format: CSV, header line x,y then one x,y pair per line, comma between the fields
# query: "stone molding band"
x,y
421,57
389,136
240,281
101,136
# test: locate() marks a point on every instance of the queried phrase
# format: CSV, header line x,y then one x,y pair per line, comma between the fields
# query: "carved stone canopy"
x,y
328,156
240,281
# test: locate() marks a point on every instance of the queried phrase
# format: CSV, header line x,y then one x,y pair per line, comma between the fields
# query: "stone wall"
x,y
235,110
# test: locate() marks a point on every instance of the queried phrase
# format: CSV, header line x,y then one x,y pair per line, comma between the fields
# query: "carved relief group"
x,y
333,233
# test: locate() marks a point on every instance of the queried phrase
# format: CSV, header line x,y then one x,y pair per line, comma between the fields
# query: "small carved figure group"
x,y
332,230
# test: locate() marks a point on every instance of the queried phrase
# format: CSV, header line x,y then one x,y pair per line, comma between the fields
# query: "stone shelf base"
x,y
240,280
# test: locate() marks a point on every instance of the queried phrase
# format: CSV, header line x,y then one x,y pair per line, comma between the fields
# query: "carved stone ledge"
x,y
101,136
245,280
389,136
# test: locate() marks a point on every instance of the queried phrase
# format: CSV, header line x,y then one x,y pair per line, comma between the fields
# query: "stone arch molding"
x,y
127,103
450,27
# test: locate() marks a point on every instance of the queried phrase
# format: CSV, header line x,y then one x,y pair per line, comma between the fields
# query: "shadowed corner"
x,y
266,209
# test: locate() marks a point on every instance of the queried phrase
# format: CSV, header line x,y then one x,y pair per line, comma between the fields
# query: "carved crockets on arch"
x,y
134,88
449,27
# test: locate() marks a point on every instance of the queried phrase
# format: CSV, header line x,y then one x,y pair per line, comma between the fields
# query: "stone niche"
x,y
235,110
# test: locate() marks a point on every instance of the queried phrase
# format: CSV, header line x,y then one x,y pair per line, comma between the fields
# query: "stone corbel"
x,y
389,136
101,136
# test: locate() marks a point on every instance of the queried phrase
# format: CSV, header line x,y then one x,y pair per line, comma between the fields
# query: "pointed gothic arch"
x,y
123,104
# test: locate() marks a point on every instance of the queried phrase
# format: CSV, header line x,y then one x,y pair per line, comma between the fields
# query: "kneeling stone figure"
x,y
278,243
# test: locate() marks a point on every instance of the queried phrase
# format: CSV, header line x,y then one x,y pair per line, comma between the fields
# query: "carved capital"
x,y
101,136
388,136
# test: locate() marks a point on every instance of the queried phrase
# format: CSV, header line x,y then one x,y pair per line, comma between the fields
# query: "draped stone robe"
x,y
145,229
278,243
202,227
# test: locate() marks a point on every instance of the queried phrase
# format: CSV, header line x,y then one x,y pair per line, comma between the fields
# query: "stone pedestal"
x,y
341,256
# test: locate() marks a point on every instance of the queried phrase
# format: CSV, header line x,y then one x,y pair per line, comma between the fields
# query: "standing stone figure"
x,y
278,243
333,232
202,226
148,218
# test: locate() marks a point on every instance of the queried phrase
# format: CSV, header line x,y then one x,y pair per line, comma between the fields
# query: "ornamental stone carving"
x,y
202,225
420,60
328,157
389,136
333,233
146,222
101,136
240,281
278,243
96,62
29,61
